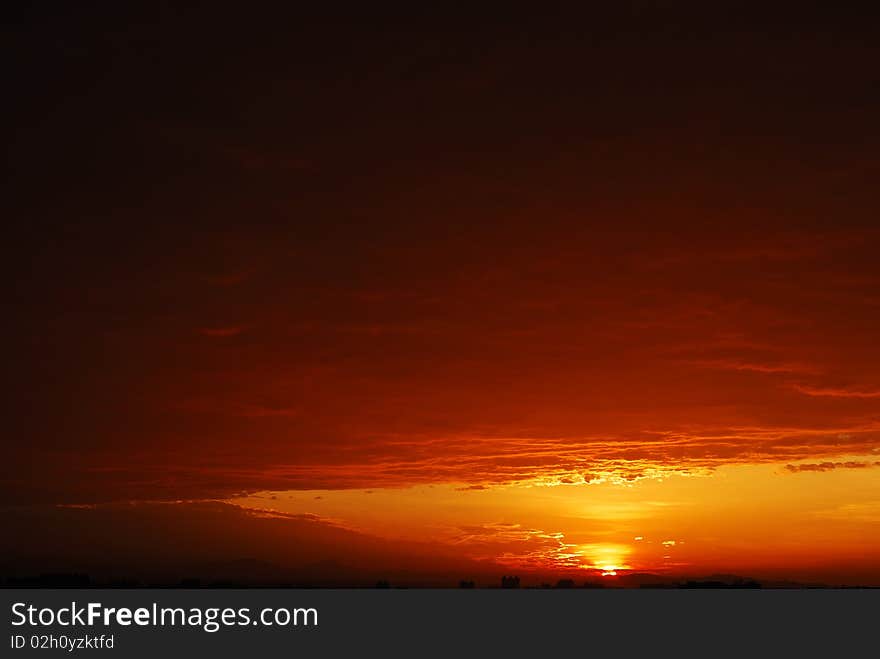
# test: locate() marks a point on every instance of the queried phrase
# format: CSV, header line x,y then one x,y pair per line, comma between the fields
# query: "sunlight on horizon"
x,y
669,525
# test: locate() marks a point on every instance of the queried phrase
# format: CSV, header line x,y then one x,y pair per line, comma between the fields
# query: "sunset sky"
x,y
438,295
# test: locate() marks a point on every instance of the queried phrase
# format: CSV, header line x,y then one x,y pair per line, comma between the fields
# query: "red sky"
x,y
540,268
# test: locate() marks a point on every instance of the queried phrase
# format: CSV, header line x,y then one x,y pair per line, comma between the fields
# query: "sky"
x,y
443,294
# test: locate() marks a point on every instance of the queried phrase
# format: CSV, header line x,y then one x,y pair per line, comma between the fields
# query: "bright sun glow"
x,y
605,557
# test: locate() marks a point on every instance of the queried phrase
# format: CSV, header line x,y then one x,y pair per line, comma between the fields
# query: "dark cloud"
x,y
167,542
477,251
830,466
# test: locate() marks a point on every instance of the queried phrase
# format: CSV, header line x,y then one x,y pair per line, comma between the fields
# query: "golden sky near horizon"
x,y
773,520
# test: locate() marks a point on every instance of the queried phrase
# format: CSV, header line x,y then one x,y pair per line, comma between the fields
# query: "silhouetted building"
x,y
466,584
510,582
565,583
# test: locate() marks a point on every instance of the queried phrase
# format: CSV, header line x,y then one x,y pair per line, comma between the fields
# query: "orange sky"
x,y
807,521
503,294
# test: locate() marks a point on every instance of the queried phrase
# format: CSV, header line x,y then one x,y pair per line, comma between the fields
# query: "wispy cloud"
x,y
754,366
833,392
519,546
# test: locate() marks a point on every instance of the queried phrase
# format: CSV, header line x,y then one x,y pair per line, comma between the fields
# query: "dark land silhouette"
x,y
61,580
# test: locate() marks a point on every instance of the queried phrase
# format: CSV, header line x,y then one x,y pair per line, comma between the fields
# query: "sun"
x,y
606,558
